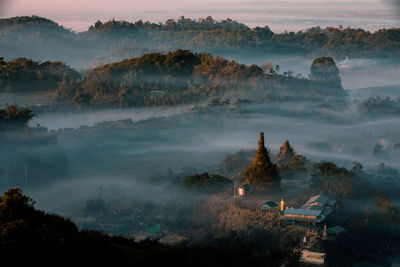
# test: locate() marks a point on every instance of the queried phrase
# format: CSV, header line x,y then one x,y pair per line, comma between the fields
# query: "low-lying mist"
x,y
166,142
355,72
55,121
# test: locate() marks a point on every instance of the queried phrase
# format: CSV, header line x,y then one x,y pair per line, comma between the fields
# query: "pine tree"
x,y
262,172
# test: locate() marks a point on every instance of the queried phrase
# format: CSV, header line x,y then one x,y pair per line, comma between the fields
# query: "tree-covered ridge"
x,y
26,75
33,29
119,38
180,24
182,77
27,234
30,237
231,34
32,21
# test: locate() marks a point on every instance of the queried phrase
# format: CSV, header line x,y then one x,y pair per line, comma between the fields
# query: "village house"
x,y
312,213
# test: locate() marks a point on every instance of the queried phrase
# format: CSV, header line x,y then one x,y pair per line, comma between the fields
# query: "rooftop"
x,y
305,212
316,209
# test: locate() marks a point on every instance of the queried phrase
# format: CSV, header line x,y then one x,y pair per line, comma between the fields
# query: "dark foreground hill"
x,y
29,237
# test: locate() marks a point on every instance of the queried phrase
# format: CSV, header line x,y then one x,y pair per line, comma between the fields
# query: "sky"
x,y
78,15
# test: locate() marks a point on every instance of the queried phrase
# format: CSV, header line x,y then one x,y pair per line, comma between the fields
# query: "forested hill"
x,y
189,34
182,77
32,30
36,37
30,237
19,23
28,76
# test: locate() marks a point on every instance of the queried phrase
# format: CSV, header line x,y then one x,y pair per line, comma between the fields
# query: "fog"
x,y
355,72
179,138
132,170
56,121
137,157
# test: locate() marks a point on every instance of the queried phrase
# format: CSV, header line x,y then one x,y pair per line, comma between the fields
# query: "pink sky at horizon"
x,y
80,14
123,5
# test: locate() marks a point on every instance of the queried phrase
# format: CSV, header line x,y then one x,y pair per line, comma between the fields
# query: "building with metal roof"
x,y
319,202
314,211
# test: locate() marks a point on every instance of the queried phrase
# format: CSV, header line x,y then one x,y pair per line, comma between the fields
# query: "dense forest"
x,y
28,76
202,33
116,40
179,77
182,77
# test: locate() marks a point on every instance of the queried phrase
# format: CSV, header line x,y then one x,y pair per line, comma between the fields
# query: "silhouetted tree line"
x,y
180,24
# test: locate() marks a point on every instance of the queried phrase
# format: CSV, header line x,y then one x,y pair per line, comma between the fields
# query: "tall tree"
x,y
262,172
286,153
14,117
325,69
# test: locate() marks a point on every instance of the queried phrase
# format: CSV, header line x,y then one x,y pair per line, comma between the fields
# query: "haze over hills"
x,y
199,142
362,52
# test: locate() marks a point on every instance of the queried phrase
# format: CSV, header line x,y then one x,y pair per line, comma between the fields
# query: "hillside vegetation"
x,y
115,40
28,76
183,77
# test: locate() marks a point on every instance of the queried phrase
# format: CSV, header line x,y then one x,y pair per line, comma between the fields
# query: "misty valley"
x,y
198,142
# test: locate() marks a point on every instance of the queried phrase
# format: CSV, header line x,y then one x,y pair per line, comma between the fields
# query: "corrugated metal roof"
x,y
312,207
320,199
302,212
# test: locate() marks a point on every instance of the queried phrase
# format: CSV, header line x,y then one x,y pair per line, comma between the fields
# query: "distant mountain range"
x,y
42,39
